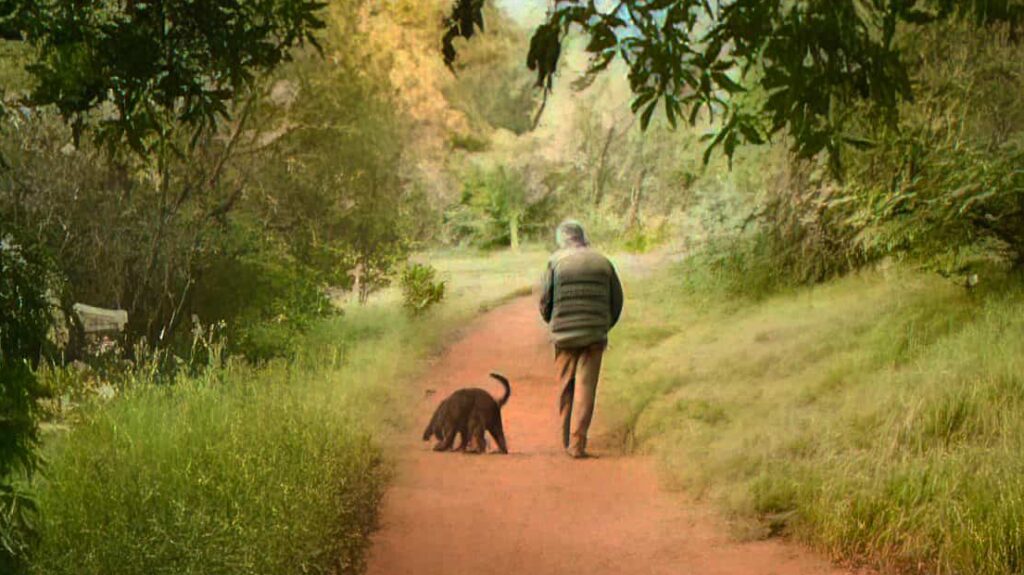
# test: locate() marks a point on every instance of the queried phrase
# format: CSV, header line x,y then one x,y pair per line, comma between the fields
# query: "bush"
x,y
25,319
420,290
265,297
746,266
499,208
948,181
643,239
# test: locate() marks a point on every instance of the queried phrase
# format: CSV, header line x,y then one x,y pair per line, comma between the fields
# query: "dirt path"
x,y
535,511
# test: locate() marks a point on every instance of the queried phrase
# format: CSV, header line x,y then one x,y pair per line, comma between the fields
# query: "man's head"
x,y
570,234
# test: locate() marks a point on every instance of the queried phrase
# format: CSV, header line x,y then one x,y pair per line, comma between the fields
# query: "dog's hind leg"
x,y
476,436
464,436
498,432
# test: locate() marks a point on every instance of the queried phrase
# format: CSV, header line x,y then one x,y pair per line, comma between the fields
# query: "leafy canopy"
x,y
149,66
807,64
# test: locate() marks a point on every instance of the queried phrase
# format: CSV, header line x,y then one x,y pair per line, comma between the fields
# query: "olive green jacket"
x,y
582,298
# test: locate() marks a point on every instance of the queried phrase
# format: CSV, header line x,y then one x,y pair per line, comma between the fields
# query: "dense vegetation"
x,y
239,176
25,281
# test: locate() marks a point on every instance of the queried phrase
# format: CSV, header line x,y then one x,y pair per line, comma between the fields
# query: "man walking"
x,y
581,302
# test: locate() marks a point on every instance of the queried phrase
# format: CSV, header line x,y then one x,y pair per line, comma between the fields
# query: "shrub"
x,y
642,239
948,182
420,289
499,208
25,319
265,296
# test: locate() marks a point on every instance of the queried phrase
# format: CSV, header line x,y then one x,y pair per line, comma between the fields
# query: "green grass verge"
x,y
242,470
879,417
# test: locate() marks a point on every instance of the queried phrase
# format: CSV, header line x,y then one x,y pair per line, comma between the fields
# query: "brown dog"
x,y
469,412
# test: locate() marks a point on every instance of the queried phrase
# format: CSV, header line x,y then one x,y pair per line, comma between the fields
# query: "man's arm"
x,y
617,297
547,297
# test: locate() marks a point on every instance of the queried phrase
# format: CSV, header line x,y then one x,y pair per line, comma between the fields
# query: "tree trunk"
x,y
636,196
602,163
513,231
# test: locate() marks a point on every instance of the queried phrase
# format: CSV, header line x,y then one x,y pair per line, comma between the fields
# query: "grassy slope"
x,y
253,471
880,418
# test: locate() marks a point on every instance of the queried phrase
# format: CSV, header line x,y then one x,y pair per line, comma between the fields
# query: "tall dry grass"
x,y
240,469
879,417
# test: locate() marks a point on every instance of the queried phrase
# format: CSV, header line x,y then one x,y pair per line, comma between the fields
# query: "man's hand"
x,y
547,297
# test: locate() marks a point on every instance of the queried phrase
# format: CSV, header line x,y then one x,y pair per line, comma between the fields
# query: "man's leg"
x,y
565,373
588,369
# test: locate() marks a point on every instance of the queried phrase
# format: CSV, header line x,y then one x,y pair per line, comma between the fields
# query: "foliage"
x,y
497,206
169,90
675,55
467,16
643,240
113,228
624,181
159,65
333,184
811,62
283,296
796,235
943,189
421,289
949,181
303,184
26,315
491,86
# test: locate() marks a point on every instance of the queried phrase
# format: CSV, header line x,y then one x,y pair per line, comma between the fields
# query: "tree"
x,y
497,208
167,89
152,67
332,184
491,85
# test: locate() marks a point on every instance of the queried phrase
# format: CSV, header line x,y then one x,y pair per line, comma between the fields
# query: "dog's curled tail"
x,y
504,383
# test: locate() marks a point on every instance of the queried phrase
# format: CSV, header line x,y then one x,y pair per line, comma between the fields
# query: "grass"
x,y
253,470
879,418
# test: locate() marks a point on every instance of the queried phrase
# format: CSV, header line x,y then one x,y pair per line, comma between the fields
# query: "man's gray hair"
x,y
570,234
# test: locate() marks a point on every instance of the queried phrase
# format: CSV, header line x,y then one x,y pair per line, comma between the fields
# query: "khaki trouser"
x,y
577,371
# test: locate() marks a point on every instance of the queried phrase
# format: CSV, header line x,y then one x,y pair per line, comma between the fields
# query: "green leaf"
x,y
670,110
915,16
858,142
751,134
645,118
726,83
642,99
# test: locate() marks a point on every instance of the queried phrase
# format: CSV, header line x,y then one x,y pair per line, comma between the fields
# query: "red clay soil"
x,y
536,511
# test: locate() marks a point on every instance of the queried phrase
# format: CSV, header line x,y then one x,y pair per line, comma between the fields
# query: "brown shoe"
x,y
576,453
